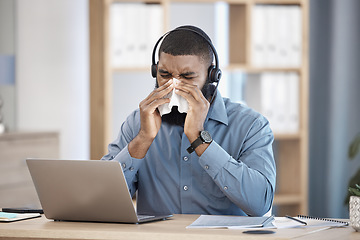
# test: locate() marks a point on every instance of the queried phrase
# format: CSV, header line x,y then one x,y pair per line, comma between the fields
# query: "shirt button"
x,y
186,188
124,165
225,188
131,168
186,159
206,167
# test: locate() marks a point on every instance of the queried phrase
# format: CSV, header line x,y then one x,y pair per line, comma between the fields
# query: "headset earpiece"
x,y
214,74
154,70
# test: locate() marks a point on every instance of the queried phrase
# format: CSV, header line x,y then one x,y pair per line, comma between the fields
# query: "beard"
x,y
174,117
177,118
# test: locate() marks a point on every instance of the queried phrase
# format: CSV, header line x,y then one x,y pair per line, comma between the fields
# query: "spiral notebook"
x,y
302,221
321,222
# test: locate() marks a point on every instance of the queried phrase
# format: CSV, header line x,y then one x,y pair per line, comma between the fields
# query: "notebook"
x,y
321,222
84,190
12,217
302,221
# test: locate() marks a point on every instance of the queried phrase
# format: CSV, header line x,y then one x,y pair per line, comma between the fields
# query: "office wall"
x,y
7,27
7,72
52,78
334,103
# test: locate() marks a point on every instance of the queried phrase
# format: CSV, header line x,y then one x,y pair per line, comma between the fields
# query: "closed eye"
x,y
188,75
164,73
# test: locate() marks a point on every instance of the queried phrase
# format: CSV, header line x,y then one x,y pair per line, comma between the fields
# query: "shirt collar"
x,y
217,110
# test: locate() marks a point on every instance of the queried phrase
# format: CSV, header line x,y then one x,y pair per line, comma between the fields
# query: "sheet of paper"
x,y
231,222
283,222
11,217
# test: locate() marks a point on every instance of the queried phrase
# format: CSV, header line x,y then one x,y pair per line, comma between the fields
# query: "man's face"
x,y
188,68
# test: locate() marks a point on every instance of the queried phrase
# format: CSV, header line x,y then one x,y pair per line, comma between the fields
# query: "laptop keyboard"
x,y
143,217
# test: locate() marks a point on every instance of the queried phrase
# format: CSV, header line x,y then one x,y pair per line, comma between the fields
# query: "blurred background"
x,y
48,62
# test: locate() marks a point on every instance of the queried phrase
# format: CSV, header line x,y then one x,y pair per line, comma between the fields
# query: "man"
x,y
229,171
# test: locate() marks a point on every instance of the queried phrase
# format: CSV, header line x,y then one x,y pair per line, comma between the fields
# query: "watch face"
x,y
206,137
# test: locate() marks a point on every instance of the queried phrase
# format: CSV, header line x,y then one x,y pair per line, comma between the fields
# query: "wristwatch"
x,y
204,137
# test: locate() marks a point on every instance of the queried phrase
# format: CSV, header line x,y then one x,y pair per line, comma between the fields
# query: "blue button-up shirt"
x,y
234,176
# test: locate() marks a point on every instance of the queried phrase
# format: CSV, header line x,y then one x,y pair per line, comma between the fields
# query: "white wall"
x,y
7,27
7,51
52,71
129,90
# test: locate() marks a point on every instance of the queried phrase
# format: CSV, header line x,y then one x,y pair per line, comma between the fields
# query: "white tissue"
x,y
175,100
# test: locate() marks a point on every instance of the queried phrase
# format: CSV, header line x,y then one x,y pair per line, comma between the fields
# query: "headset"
x,y
214,72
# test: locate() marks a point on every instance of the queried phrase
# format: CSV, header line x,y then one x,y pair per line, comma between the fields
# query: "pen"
x,y
295,219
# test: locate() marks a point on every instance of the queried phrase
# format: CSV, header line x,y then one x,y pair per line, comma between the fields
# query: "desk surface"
x,y
174,228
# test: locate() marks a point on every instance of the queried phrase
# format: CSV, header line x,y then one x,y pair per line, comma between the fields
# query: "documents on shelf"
x,y
134,29
276,96
276,36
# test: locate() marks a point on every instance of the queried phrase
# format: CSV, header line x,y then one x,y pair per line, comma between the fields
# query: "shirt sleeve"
x,y
249,179
118,151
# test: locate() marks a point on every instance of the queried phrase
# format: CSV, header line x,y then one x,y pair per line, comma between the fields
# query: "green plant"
x,y
354,191
354,149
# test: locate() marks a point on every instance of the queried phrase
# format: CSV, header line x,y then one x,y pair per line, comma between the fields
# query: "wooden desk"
x,y
173,229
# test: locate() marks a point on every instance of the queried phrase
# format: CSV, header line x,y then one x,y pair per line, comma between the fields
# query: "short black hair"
x,y
184,41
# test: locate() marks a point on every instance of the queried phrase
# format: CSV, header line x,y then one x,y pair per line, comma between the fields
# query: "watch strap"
x,y
194,145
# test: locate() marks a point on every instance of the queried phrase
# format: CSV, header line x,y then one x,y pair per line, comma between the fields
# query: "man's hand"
x,y
150,120
198,109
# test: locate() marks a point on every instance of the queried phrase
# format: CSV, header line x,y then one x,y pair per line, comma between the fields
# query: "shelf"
x,y
140,1
131,70
290,149
279,2
298,2
245,68
232,67
287,199
211,1
287,136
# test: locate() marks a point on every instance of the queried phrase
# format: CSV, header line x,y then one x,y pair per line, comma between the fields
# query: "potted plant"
x,y
353,197
354,207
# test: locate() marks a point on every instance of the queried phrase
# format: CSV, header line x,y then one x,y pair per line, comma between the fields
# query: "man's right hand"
x,y
150,120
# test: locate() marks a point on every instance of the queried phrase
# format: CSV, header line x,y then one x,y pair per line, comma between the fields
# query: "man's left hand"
x,y
198,109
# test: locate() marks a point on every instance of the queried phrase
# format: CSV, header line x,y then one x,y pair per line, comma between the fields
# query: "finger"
x,y
189,91
154,103
157,102
150,106
160,92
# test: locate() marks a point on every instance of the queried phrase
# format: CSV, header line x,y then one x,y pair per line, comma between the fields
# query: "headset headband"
x,y
186,29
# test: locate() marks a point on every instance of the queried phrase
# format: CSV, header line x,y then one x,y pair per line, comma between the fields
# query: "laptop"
x,y
84,190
